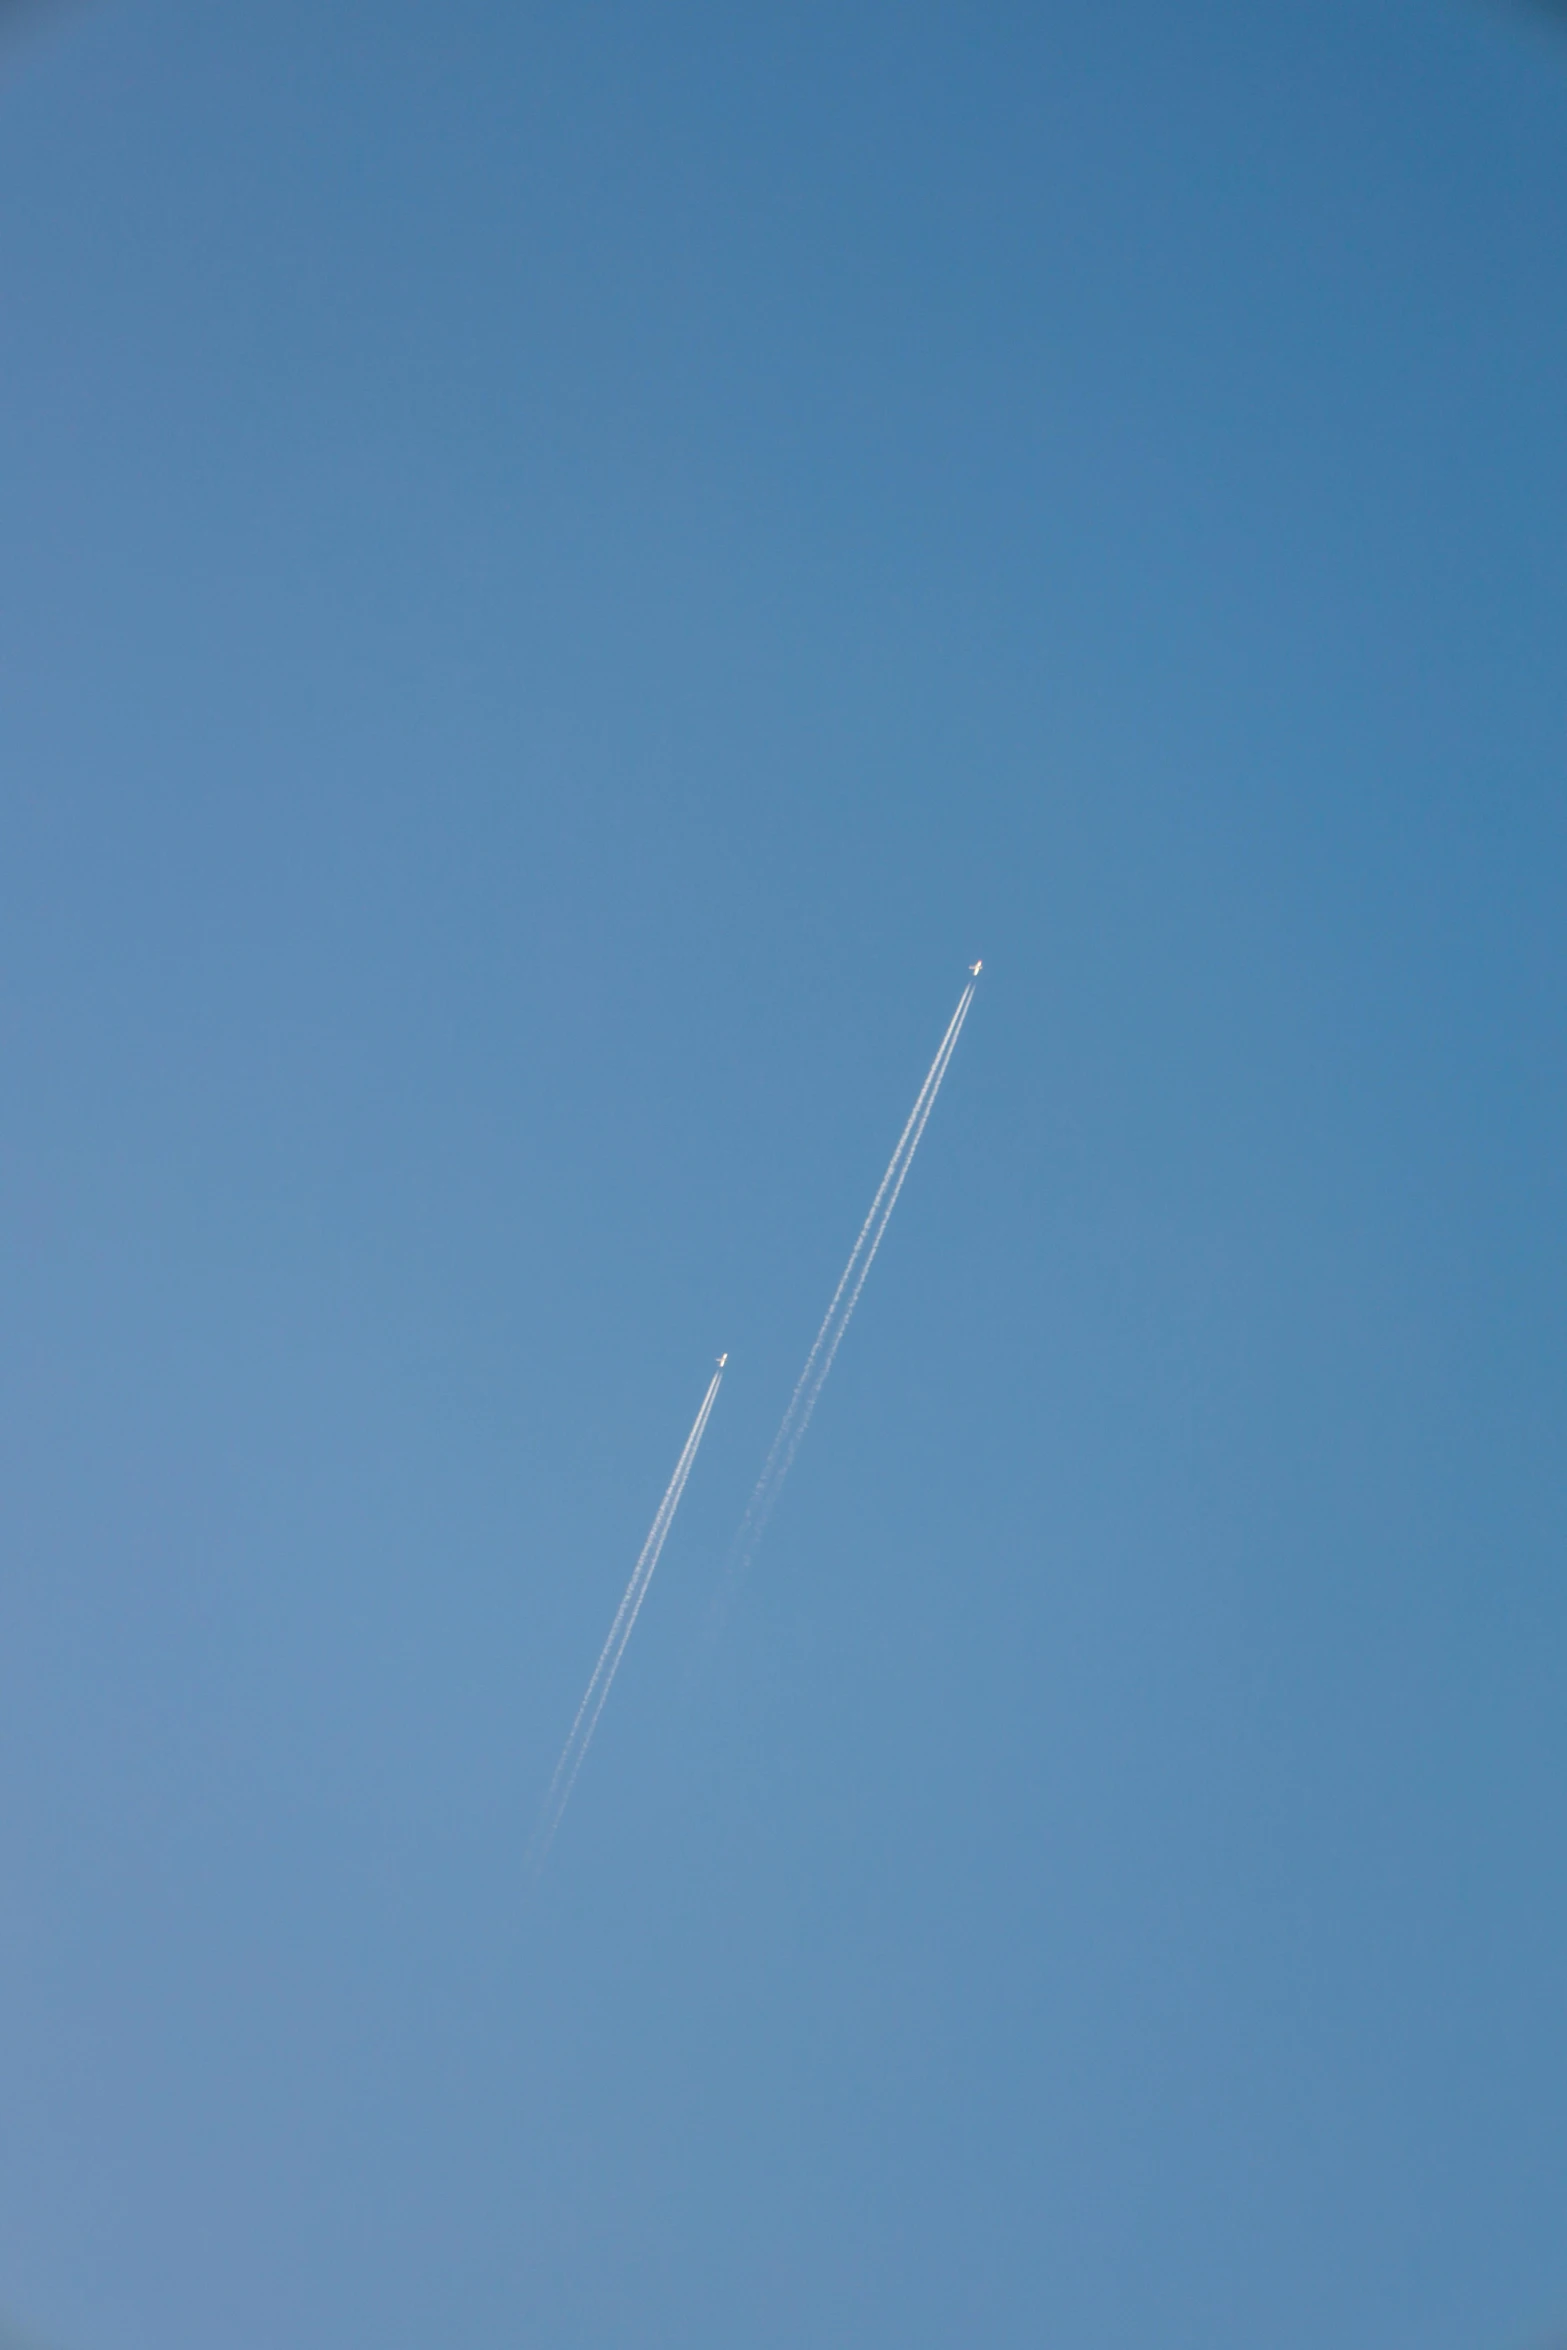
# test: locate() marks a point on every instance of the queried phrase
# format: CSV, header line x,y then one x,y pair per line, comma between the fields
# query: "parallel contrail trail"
x,y
845,1298
598,1688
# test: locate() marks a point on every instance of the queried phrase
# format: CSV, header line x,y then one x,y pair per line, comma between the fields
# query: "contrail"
x,y
580,1737
845,1298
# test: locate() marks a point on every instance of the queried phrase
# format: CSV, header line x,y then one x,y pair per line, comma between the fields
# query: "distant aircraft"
x,y
975,969
723,1358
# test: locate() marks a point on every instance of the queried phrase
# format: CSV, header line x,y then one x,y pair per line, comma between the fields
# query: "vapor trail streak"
x,y
580,1736
630,1608
845,1298
866,1261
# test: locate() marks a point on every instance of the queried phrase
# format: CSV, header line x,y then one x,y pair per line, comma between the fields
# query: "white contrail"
x,y
845,1298
866,1260
808,1382
630,1607
586,1722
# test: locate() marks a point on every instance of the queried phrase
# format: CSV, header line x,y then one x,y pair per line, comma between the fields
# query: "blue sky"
x,y
565,569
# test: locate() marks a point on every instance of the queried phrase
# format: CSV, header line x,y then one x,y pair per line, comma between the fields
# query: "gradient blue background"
x,y
564,569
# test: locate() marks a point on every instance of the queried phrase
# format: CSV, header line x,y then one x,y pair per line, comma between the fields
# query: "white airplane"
x,y
723,1358
975,969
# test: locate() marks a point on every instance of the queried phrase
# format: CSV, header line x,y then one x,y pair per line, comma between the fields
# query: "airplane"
x,y
975,969
723,1358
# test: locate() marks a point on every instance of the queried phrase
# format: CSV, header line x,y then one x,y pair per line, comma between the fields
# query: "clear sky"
x,y
563,569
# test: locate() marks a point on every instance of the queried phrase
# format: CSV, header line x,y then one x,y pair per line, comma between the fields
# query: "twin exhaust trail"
x,y
780,1458
614,1648
836,1320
